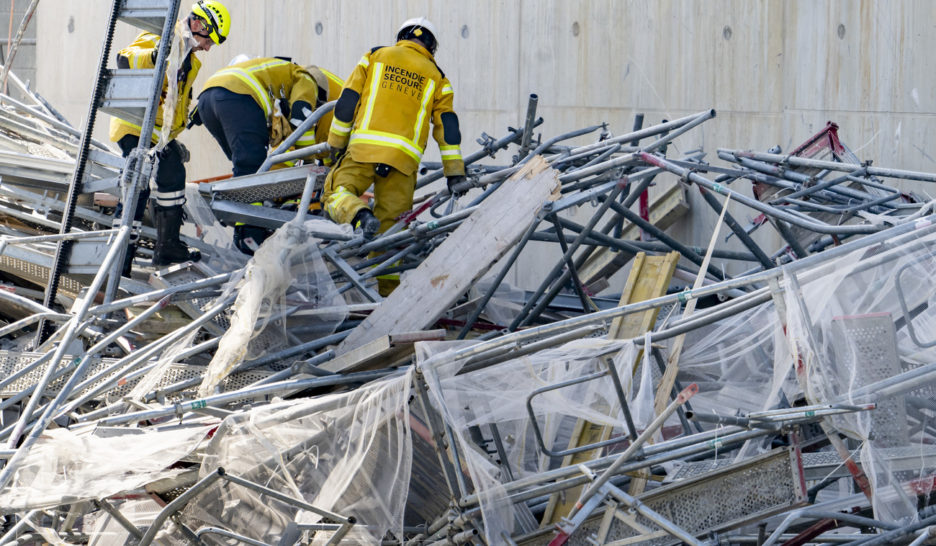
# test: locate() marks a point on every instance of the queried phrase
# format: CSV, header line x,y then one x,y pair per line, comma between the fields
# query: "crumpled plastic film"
x,y
347,453
77,465
209,230
502,308
498,395
855,344
285,277
180,49
103,529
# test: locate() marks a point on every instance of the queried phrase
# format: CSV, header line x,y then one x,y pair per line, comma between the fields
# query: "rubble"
x,y
280,399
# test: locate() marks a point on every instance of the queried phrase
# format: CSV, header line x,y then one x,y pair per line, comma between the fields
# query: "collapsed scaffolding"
x,y
282,400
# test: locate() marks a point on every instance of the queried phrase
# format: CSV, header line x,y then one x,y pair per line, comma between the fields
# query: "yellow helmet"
x,y
216,17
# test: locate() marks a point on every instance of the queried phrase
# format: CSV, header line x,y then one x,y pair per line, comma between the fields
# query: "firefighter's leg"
x,y
393,196
343,187
170,196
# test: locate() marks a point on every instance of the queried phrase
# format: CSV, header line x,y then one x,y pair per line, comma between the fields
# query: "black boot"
x,y
169,249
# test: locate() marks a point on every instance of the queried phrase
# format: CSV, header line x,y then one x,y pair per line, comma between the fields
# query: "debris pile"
x,y
282,400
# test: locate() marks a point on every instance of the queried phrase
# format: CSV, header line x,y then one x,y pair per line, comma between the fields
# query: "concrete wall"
x,y
775,71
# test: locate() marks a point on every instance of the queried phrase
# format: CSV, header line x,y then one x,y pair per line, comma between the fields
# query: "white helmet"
x,y
419,27
239,59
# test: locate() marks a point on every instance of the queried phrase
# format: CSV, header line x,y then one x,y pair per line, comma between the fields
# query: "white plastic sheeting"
x,y
287,273
850,335
347,453
842,331
70,466
835,333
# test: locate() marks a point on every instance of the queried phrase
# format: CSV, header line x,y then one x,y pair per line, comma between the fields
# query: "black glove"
x,y
457,185
335,154
184,154
194,118
366,222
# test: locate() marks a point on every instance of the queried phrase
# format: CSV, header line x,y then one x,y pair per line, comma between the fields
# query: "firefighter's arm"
x,y
340,131
140,54
302,97
445,130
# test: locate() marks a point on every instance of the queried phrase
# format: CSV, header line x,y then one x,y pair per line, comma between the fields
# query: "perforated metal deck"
x,y
828,464
12,362
746,492
271,185
869,343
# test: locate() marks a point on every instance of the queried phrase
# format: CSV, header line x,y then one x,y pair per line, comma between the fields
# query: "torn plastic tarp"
x,y
348,453
286,274
67,466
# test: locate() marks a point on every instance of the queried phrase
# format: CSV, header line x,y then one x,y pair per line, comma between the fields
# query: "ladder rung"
x,y
127,94
149,15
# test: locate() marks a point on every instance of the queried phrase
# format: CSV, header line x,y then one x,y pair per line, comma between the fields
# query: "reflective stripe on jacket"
x,y
266,80
139,54
401,90
332,85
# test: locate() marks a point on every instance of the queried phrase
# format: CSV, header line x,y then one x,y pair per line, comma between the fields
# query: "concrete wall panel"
x,y
775,70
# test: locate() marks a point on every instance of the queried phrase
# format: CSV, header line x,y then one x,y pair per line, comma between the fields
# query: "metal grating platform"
x,y
869,343
828,464
747,491
268,186
11,362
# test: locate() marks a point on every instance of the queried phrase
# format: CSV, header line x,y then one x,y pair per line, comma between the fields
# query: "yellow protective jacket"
x,y
386,105
329,89
270,81
140,54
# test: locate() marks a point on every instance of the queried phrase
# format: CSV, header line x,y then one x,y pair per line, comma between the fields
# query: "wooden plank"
x,y
649,278
383,352
604,262
463,258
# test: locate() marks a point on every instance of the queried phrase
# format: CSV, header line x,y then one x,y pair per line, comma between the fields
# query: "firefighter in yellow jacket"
x,y
381,127
255,104
208,24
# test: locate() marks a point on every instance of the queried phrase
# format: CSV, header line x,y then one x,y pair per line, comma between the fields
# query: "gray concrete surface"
x,y
775,71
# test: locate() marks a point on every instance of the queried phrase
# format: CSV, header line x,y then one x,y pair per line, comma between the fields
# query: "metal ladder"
x,y
132,95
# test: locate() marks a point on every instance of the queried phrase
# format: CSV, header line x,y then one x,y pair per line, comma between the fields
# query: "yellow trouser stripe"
x,y
336,199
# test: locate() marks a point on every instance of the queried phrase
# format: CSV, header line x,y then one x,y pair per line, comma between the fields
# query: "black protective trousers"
x,y
238,124
170,176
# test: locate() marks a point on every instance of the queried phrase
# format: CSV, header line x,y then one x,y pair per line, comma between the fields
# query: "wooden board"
x,y
649,278
383,352
463,258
